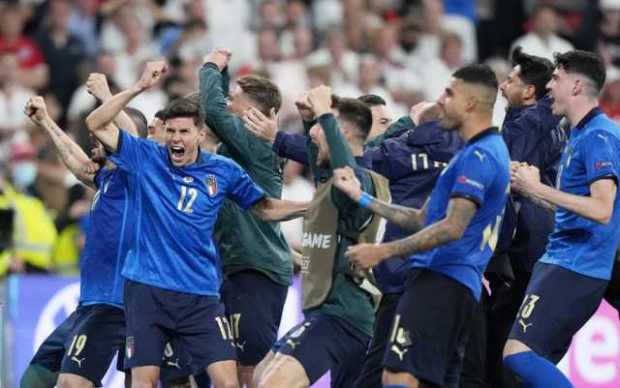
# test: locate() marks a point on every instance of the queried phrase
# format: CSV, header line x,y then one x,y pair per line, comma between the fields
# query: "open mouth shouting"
x,y
177,153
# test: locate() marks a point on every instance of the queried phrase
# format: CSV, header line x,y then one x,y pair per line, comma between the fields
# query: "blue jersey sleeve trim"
x,y
474,199
612,177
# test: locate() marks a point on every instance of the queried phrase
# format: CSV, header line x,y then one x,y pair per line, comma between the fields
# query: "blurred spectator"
x,y
64,53
334,53
437,72
33,234
138,48
609,40
32,70
543,40
13,98
610,98
85,22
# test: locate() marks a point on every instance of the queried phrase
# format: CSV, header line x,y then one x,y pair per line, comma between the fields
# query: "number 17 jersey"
x,y
175,209
480,173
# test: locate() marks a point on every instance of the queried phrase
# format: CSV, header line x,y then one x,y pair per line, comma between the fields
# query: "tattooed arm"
x,y
406,217
459,214
72,155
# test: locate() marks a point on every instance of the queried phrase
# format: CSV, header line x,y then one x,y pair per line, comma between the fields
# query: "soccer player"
x,y
381,115
338,311
411,156
569,281
172,268
533,135
459,225
255,255
79,351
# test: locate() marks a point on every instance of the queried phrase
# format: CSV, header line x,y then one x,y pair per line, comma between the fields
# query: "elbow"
x,y
92,122
455,232
603,218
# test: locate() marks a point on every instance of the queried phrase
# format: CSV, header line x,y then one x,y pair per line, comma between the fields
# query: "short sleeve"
x,y
129,152
600,159
243,190
474,173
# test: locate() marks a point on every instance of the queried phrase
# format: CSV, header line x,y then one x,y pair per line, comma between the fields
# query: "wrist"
x,y
363,199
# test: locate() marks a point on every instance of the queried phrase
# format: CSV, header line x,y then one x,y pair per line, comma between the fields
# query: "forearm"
x,y
405,217
339,150
541,203
101,117
272,209
397,128
71,154
291,146
584,206
428,238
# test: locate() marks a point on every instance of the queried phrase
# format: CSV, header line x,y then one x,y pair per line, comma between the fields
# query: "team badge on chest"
x,y
211,182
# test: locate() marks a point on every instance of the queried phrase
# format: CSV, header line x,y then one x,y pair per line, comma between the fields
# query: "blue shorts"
x,y
254,306
431,328
196,323
557,303
85,343
324,342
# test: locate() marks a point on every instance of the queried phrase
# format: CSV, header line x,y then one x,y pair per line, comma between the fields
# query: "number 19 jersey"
x,y
175,209
480,173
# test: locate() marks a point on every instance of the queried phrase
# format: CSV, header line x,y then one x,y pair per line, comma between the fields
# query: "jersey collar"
x,y
591,114
486,132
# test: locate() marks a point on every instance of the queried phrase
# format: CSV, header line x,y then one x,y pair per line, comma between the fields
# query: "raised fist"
x,y
152,73
97,85
36,109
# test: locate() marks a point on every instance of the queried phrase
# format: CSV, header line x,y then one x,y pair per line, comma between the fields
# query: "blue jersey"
x,y
106,228
579,244
480,173
175,209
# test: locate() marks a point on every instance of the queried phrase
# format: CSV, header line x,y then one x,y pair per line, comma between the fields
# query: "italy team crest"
x,y
211,182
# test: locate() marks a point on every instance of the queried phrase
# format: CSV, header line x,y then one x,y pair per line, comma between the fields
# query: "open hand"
x,y
261,126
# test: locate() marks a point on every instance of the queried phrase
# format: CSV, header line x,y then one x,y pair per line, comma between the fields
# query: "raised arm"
x,y
228,127
419,114
72,155
98,121
272,209
97,85
405,217
451,228
320,100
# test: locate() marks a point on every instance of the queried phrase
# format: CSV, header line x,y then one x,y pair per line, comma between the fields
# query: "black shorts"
x,y
324,342
196,323
254,306
372,370
85,343
431,328
557,303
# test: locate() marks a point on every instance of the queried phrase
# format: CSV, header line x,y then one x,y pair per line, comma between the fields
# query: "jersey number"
x,y
186,199
424,163
528,305
490,234
78,343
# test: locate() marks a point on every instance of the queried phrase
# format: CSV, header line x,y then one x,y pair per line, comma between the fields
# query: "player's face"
x,y
381,120
183,139
452,104
156,131
238,102
318,137
513,87
560,88
97,152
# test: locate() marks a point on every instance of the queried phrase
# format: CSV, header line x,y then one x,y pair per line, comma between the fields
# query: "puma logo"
x,y
78,360
240,346
291,343
174,364
399,352
524,325
480,155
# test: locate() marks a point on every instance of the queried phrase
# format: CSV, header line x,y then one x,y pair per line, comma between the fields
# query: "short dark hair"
x,y
262,91
183,107
372,100
477,74
584,63
160,114
139,121
355,112
535,71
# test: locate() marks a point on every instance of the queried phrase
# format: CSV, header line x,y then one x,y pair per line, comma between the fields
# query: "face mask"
x,y
24,174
